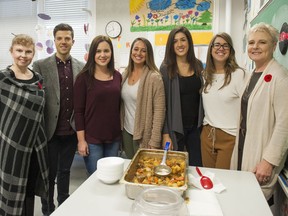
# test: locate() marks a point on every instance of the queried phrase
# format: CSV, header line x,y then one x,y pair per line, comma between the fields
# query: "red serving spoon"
x,y
205,181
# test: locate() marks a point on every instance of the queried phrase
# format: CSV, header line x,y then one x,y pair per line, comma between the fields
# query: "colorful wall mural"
x,y
161,15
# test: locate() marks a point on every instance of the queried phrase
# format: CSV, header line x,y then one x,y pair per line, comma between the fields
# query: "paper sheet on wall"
x,y
124,59
159,53
202,53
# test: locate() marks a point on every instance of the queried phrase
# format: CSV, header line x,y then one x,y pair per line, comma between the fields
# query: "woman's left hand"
x,y
263,172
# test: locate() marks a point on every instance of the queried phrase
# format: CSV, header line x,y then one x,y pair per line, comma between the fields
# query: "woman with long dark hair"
x,y
97,104
181,72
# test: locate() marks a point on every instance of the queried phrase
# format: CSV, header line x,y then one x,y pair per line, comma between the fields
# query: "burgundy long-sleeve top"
x,y
97,108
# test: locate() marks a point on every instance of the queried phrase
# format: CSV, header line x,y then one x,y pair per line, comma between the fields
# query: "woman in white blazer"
x,y
262,138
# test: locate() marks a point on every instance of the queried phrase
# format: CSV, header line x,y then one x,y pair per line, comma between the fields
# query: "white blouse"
x,y
129,97
222,107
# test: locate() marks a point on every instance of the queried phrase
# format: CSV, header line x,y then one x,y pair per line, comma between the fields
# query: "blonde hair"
x,y
269,29
24,40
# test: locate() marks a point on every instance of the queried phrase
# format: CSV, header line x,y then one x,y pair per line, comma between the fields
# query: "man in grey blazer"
x,y
59,72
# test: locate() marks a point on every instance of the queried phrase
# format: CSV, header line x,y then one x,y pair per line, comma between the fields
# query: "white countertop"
x,y
242,197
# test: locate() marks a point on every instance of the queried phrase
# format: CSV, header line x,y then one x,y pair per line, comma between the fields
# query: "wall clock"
x,y
113,29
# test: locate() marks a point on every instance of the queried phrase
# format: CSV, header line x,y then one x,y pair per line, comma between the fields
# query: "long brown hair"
x,y
149,61
170,55
90,64
230,64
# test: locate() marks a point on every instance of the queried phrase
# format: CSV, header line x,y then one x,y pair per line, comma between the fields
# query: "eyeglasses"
x,y
218,46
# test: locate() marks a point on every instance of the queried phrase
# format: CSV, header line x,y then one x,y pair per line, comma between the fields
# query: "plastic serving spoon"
x,y
163,169
205,181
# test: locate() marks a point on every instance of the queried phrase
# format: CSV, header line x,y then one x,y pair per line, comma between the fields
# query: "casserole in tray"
x,y
134,188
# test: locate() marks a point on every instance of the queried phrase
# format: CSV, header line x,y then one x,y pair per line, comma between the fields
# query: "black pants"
x,y
242,135
191,141
61,151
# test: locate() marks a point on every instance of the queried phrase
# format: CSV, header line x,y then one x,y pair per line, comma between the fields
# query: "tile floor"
x,y
78,176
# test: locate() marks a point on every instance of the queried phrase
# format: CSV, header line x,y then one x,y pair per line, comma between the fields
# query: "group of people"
x,y
222,115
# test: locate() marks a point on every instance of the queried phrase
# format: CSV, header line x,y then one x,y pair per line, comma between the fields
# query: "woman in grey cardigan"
x,y
182,81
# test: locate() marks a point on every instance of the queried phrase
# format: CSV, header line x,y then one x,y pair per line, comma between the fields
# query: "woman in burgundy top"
x,y
97,105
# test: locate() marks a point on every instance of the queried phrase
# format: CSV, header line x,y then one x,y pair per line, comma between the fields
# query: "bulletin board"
x,y
275,13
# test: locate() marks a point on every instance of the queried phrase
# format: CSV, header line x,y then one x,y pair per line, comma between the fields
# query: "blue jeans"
x,y
100,150
191,141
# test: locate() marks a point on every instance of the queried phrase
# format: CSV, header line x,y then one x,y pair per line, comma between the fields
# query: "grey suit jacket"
x,y
48,69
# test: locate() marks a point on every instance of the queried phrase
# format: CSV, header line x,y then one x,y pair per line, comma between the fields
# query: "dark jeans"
x,y
191,141
61,151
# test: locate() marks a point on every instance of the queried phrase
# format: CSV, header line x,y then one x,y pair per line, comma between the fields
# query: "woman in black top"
x,y
181,75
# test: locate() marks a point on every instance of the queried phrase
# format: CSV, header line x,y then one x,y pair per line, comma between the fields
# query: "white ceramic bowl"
x,y
108,173
107,180
111,163
110,170
111,176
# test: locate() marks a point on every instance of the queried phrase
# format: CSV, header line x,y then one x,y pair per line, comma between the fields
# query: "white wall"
x,y
237,31
104,11
113,10
236,22
120,13
17,19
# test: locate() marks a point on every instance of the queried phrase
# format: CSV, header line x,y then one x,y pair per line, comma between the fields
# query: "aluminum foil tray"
x,y
133,189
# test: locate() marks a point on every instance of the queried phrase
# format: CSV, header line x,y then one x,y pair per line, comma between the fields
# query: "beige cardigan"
x,y
267,125
150,109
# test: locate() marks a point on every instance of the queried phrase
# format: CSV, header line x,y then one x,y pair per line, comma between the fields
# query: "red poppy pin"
x,y
40,85
268,78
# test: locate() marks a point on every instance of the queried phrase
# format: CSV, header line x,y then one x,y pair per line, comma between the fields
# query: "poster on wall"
x,y
164,15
